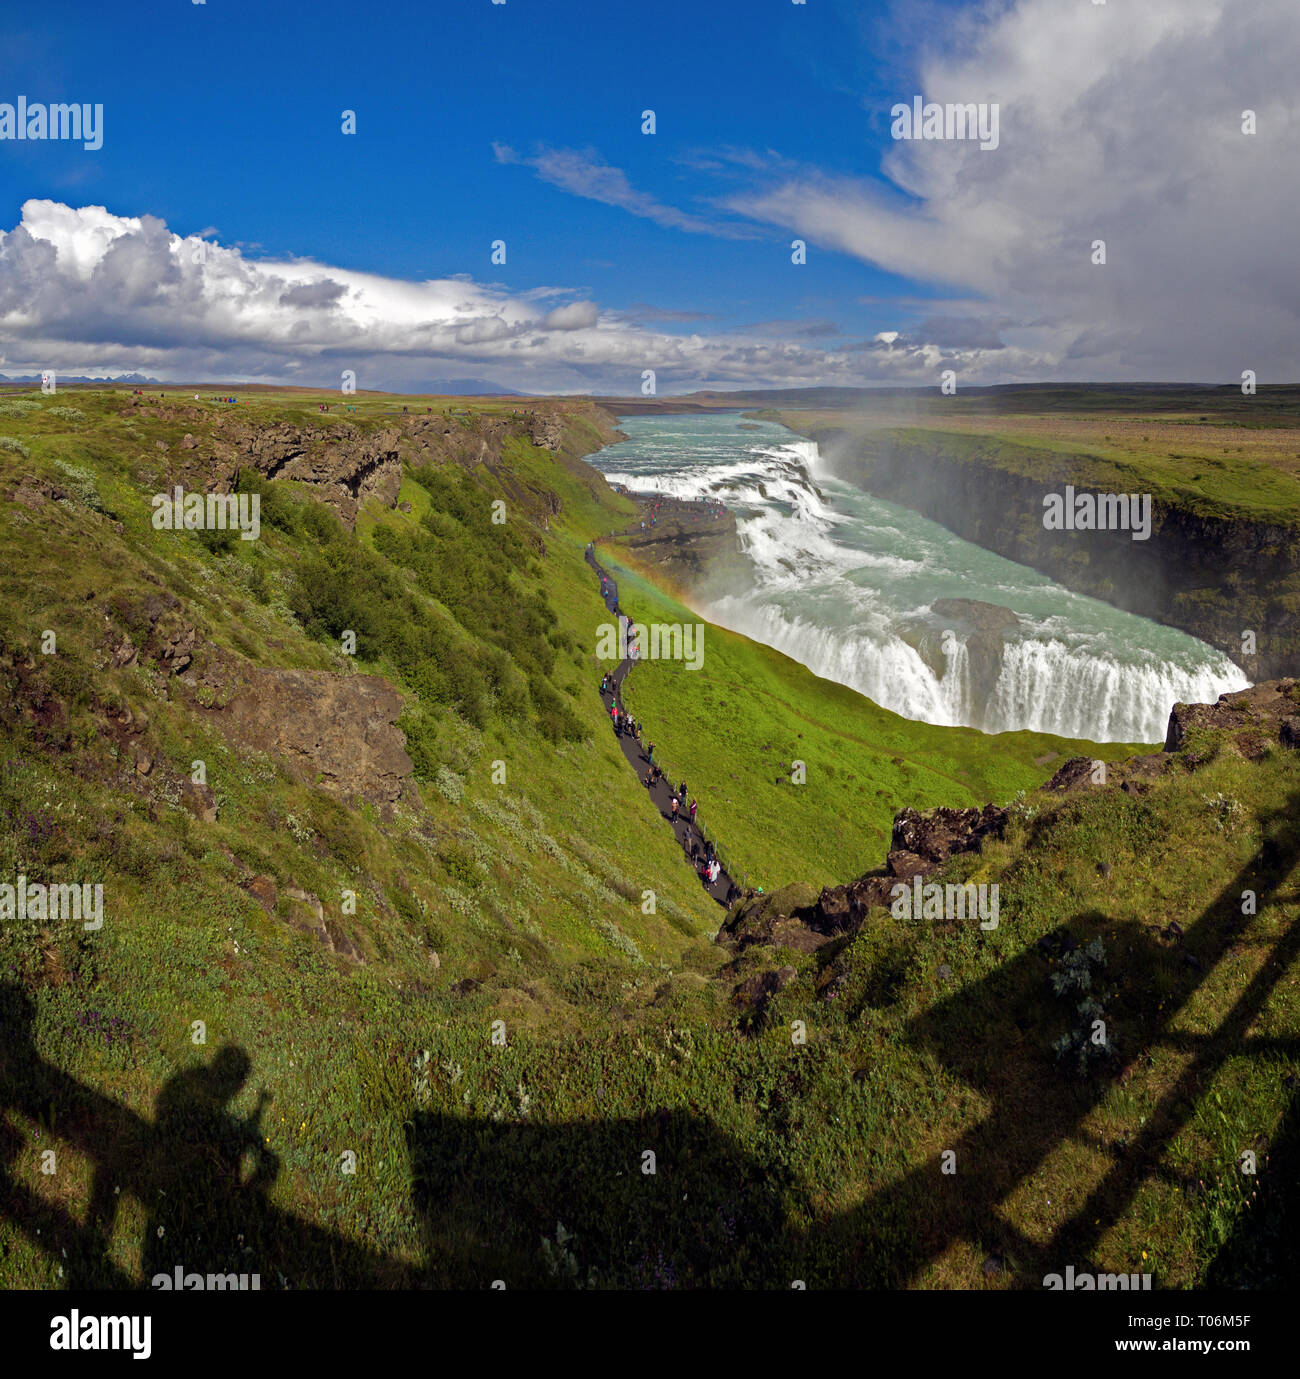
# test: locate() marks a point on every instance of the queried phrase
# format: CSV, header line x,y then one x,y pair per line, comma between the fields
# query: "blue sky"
x,y
522,122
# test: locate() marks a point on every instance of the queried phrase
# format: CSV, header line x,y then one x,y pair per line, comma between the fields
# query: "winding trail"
x,y
688,834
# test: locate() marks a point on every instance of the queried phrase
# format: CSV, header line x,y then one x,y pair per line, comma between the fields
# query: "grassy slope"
x,y
1134,1169
775,1160
47,586
509,885
734,728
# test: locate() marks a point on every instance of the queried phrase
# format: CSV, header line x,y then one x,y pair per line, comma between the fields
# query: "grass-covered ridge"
x,y
283,602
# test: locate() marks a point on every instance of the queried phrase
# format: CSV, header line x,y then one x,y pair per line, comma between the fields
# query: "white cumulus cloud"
x,y
85,291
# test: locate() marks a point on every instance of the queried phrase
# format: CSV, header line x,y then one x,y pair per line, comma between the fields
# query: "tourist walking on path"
x,y
663,793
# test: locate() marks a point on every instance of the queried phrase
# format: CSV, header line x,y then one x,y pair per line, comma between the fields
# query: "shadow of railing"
x,y
1263,1248
713,1213
1036,1109
658,1201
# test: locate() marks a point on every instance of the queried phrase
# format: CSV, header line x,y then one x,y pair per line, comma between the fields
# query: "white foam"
x,y
835,573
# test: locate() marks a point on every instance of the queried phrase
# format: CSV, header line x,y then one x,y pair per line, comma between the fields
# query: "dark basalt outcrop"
x,y
921,843
1253,718
775,917
687,545
346,465
937,834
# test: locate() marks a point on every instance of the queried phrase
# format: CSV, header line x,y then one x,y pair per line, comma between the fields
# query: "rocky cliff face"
x,y
347,465
1217,577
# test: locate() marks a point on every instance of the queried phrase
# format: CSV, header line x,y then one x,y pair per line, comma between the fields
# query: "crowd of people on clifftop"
x,y
696,509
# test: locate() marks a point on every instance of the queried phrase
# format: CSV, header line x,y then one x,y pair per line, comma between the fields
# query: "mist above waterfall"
x,y
846,584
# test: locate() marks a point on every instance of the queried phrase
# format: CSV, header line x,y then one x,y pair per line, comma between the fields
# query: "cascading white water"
x,y
1049,688
958,689
838,578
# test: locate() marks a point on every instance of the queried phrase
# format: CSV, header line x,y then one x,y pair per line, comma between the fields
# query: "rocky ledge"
x,y
337,732
798,918
691,546
920,844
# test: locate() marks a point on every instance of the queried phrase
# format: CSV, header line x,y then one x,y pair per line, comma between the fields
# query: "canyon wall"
x,y
1214,575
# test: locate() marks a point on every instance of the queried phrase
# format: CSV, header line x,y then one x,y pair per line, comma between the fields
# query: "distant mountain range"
x,y
463,387
447,387
77,378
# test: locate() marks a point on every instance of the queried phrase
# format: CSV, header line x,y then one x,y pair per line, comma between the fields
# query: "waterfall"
x,y
837,575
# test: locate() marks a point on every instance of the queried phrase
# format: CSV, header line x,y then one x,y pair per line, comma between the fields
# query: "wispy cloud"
x,y
583,174
643,311
728,159
797,329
